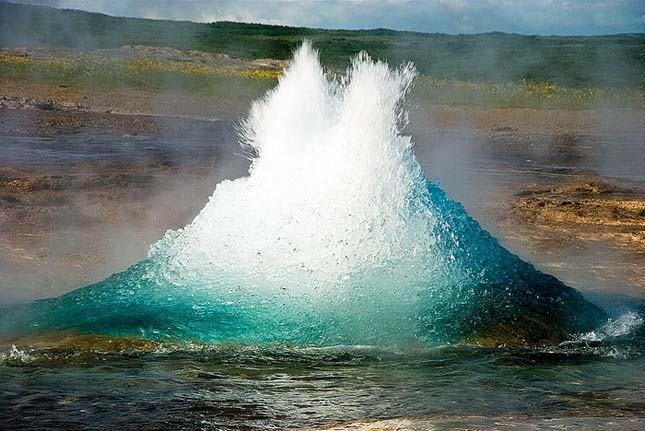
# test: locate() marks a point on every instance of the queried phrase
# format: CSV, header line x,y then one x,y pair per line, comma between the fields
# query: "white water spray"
x,y
331,186
335,237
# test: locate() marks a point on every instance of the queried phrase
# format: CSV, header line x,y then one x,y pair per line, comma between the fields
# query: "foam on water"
x,y
615,327
15,355
335,237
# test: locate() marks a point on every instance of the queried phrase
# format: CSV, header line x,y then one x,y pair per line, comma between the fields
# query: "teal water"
x,y
335,237
335,283
497,289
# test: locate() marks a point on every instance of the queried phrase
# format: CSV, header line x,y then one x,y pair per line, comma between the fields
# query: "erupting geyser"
x,y
335,237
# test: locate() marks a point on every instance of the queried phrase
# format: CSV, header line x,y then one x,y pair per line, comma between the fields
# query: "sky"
x,y
544,17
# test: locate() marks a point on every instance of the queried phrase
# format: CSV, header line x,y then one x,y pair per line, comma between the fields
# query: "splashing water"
x,y
335,237
614,327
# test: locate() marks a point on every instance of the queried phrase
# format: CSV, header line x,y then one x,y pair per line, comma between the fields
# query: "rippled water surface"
x,y
237,387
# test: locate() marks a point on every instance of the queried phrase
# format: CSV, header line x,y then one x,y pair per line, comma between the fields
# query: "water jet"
x,y
335,237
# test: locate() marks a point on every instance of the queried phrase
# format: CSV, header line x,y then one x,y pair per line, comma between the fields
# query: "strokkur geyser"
x,y
335,237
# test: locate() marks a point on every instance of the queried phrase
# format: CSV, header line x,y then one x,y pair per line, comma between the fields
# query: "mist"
x,y
145,149
93,207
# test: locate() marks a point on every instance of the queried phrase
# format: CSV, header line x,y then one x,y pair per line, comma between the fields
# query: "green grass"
x,y
110,74
90,71
525,94
595,62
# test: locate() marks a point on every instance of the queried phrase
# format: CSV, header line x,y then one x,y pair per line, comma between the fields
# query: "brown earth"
x,y
599,223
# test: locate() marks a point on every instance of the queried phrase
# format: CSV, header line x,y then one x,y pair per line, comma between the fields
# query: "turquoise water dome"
x,y
335,237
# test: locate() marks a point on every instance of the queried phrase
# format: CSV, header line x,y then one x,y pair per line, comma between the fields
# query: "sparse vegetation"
x,y
156,74
144,73
525,93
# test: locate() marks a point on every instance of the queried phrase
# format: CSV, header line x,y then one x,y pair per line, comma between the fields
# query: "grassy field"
x,y
486,69
112,73
90,71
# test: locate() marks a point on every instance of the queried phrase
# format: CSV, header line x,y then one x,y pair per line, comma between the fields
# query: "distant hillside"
x,y
606,61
